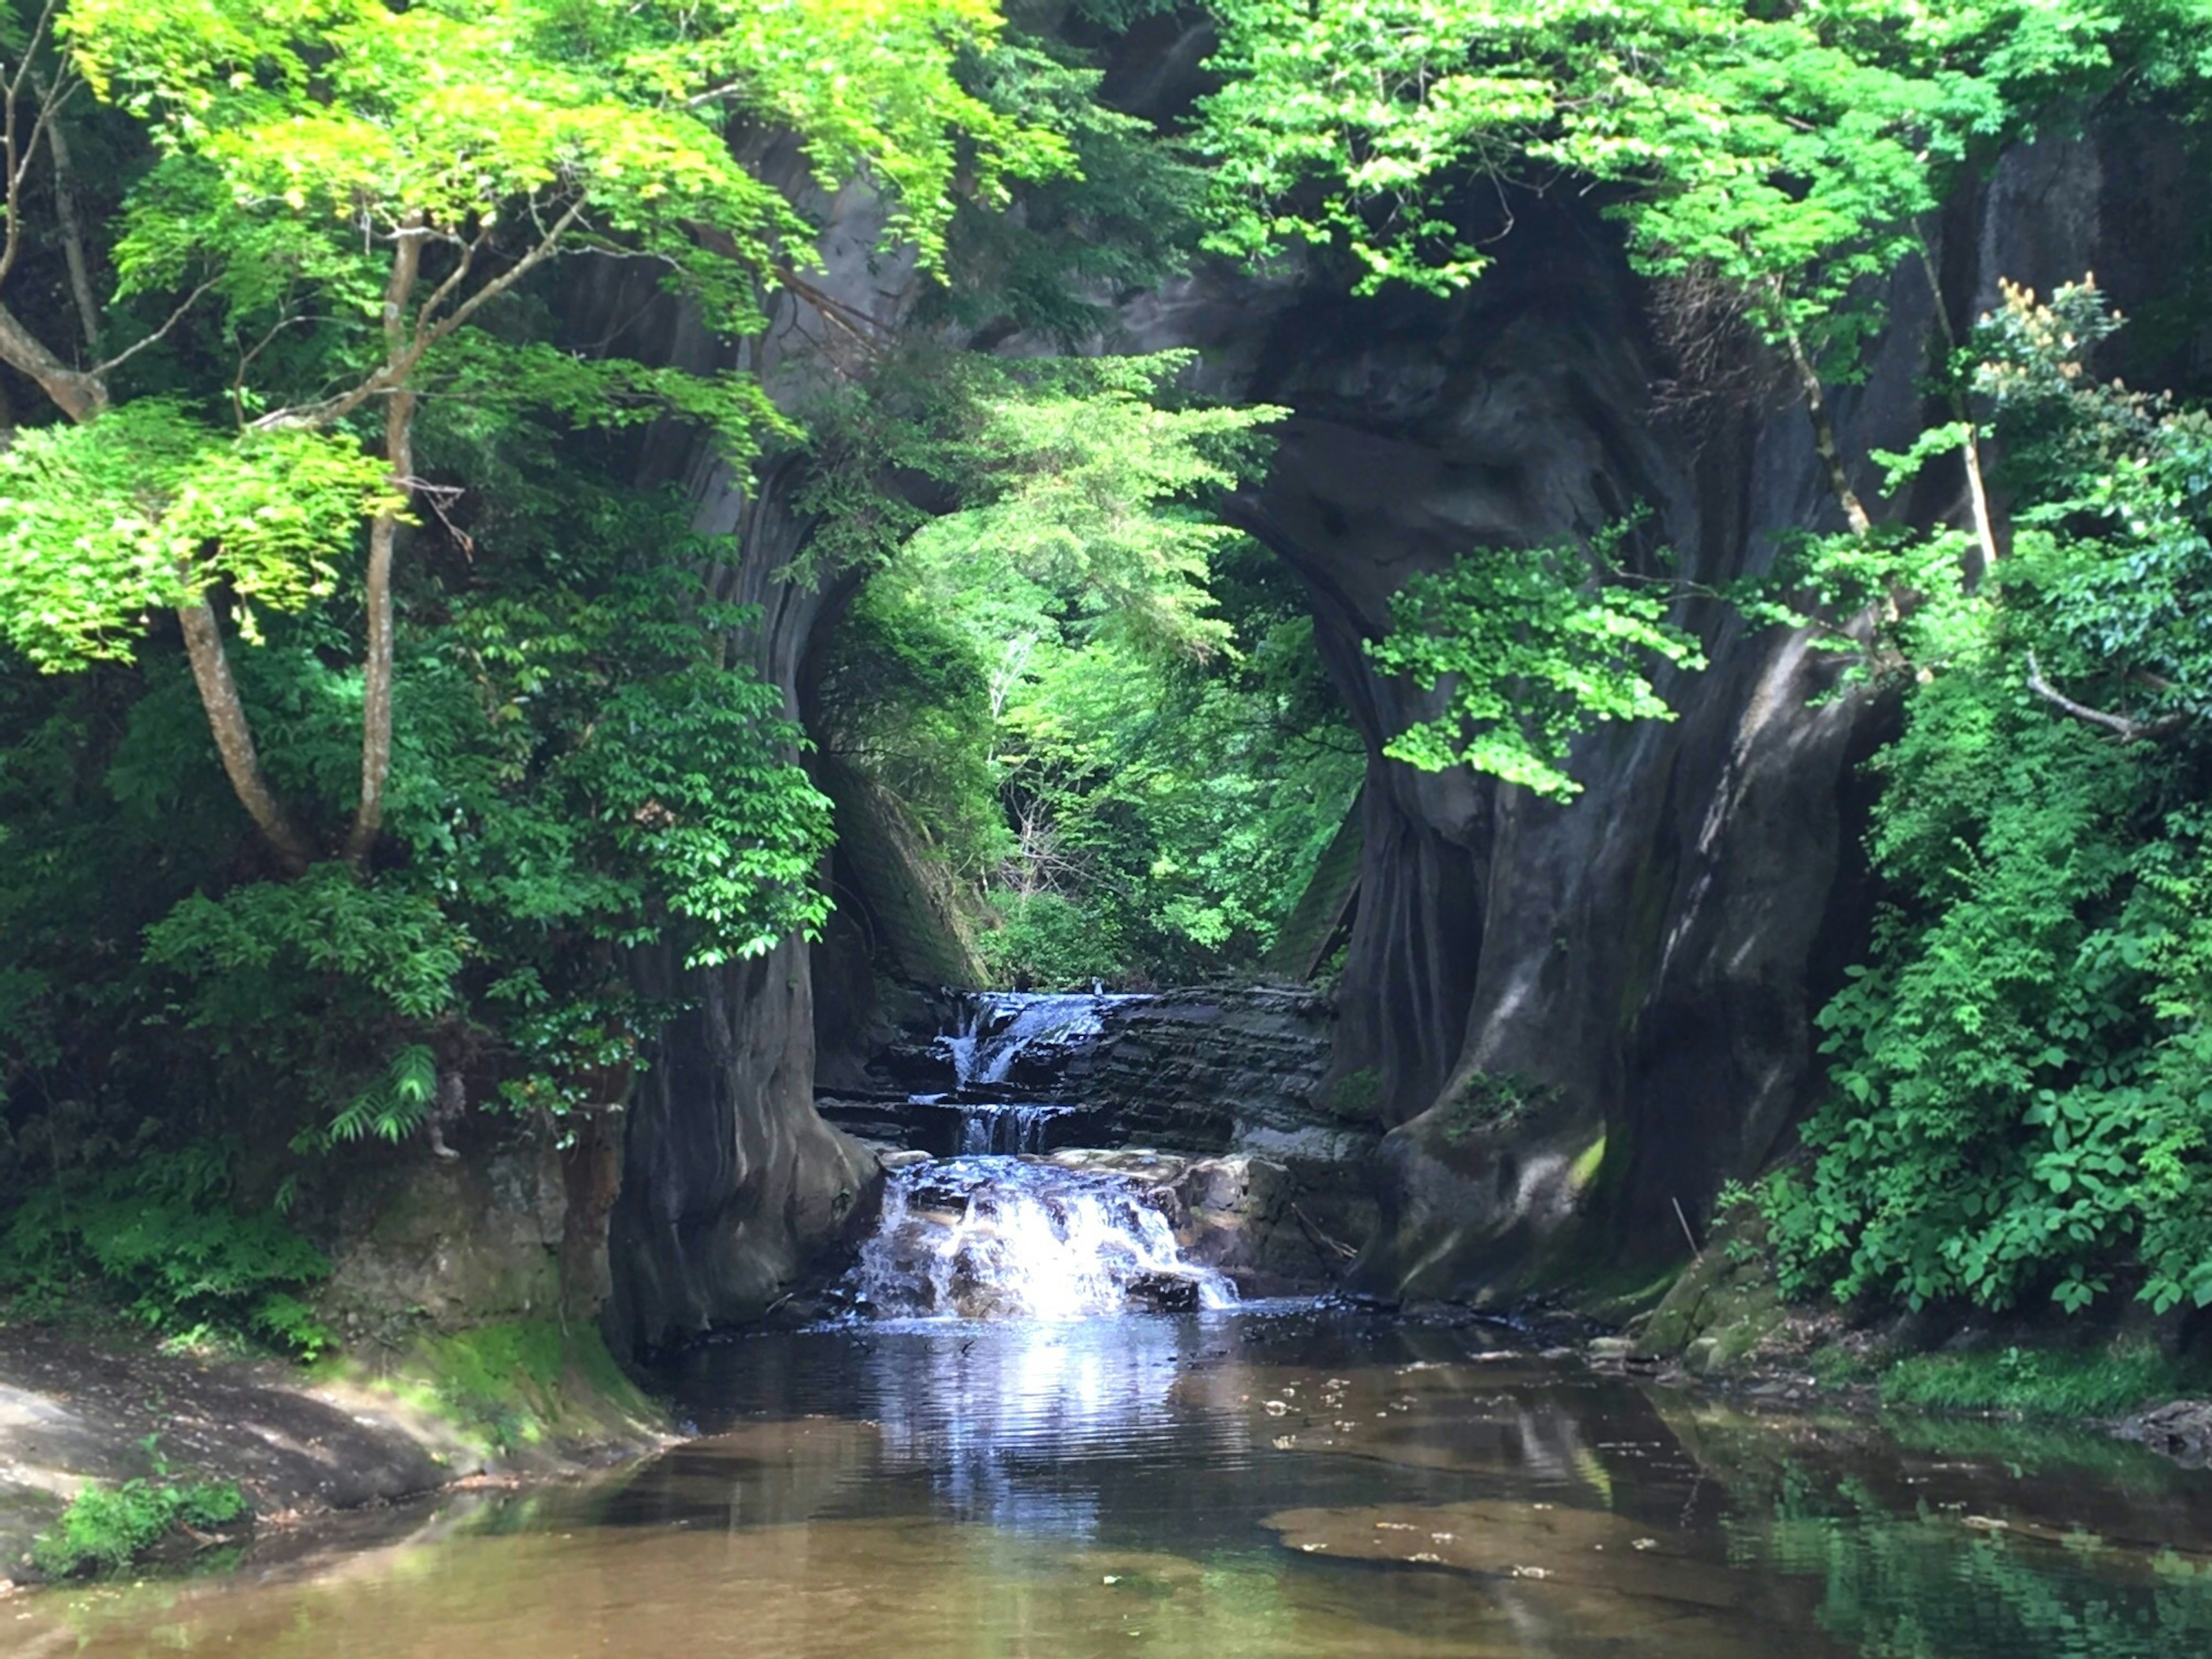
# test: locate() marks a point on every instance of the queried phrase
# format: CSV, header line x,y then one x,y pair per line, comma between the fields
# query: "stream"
x,y
1043,1431
1255,1483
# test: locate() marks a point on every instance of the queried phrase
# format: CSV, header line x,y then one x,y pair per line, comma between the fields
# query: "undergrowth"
x,y
107,1529
2043,1382
160,1239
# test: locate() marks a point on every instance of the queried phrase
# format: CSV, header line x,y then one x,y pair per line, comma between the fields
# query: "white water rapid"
x,y
1012,1237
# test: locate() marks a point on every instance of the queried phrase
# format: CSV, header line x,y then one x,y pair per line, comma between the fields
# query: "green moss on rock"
x,y
516,1388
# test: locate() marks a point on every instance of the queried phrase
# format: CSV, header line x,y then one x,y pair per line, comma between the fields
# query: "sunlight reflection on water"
x,y
1264,1484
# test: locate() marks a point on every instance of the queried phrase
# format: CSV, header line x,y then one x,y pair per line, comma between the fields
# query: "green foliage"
x,y
1045,940
2106,1381
1783,153
2021,1103
105,1528
395,1105
241,950
1530,649
1102,705
1489,1100
163,1237
149,508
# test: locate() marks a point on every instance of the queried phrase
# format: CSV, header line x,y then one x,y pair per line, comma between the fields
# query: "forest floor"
x,y
77,1413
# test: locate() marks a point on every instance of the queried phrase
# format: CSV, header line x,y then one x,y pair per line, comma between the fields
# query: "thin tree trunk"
x,y
1978,493
383,538
83,398
234,736
72,230
1824,439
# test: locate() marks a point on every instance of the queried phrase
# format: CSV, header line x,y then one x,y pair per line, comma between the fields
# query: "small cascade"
x,y
1003,1237
1007,1129
997,1028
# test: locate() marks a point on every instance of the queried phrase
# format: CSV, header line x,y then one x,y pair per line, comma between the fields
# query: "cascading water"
x,y
996,1028
998,1230
1007,1129
1012,1237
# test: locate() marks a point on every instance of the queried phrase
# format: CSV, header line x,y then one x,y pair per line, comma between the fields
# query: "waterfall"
x,y
1007,1129
1003,1237
997,1027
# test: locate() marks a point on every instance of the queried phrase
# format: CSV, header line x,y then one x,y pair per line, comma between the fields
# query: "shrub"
x,y
107,1527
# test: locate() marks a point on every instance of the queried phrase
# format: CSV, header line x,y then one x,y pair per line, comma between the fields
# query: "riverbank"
x,y
499,1403
1723,1326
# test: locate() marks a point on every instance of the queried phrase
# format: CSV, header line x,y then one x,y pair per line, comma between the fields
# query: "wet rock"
x,y
1163,1293
1568,1548
2181,1431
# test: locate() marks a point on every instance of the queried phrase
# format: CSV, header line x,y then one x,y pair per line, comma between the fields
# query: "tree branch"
x,y
72,230
2124,727
404,358
78,394
1985,531
1824,439
159,334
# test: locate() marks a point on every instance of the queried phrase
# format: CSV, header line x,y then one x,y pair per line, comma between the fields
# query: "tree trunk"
x,y
78,395
72,230
383,537
234,736
1824,439
83,398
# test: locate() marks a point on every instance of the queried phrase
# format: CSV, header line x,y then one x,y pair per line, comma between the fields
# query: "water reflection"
x,y
1248,1485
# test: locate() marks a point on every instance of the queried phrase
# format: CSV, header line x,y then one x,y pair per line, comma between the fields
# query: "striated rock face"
x,y
732,1187
1578,1017
1211,1070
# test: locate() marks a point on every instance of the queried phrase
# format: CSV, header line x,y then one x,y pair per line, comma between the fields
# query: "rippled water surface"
x,y
1266,1483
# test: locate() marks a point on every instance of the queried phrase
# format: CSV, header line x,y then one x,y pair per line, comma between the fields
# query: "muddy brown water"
x,y
1267,1483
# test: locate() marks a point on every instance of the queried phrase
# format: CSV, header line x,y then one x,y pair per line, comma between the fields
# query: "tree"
x,y
345,192
1787,154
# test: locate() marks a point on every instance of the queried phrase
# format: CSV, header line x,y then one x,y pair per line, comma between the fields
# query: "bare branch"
x,y
711,95
39,30
1824,439
391,376
159,334
446,289
1985,531
80,396
548,245
2126,728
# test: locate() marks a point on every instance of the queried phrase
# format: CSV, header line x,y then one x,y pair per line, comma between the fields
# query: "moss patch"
x,y
1725,1305
1489,1100
516,1387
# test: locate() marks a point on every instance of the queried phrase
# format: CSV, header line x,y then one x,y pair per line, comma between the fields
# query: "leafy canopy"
x,y
1786,151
